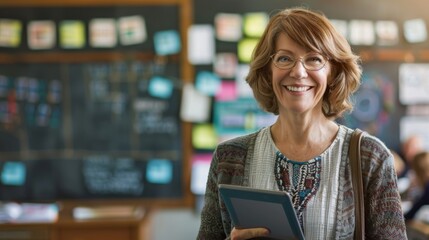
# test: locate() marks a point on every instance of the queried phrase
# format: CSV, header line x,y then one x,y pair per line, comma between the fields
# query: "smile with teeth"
x,y
297,89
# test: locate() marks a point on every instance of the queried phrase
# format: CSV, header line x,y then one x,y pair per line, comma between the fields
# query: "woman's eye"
x,y
315,59
284,59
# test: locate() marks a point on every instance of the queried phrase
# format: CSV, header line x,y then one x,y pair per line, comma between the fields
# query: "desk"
x,y
68,228
417,230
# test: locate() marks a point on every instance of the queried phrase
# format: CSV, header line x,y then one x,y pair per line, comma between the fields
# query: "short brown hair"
x,y
313,31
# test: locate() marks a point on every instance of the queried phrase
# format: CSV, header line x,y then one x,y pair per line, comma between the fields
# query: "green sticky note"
x,y
245,49
254,24
204,136
72,34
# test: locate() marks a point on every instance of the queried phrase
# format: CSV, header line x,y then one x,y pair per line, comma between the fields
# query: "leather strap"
x,y
354,156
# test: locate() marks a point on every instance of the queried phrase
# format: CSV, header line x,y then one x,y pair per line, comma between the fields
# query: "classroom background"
x,y
110,110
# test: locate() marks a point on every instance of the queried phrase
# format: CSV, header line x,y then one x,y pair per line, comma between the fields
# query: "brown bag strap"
x,y
354,156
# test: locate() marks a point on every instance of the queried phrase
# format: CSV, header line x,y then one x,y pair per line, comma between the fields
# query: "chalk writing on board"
x,y
152,119
105,175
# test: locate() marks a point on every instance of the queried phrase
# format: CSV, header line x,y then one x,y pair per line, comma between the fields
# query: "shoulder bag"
x,y
354,156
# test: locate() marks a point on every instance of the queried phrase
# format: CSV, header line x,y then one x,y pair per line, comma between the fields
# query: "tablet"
x,y
250,208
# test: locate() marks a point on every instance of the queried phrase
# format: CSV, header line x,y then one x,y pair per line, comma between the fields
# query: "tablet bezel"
x,y
257,197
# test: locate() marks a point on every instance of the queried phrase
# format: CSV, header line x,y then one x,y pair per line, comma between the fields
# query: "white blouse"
x,y
319,214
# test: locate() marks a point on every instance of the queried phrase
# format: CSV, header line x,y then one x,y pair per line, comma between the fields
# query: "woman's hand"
x,y
248,233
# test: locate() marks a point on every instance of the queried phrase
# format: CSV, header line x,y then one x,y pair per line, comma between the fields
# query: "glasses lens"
x,y
283,60
314,62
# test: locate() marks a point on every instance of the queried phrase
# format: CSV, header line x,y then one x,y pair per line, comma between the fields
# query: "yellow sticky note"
x,y
72,34
10,33
245,49
204,136
254,24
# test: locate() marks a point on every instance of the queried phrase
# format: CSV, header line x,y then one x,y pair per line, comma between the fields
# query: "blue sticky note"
x,y
167,42
208,83
159,171
13,173
160,87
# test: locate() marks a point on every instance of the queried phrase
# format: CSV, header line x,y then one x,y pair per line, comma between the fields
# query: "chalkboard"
x,y
94,177
91,129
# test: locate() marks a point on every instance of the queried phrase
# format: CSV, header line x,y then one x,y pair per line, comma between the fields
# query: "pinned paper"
x,y
254,24
195,106
361,32
413,83
132,30
340,26
10,32
102,33
159,171
204,136
72,34
13,173
243,88
41,35
415,125
245,49
201,44
200,171
227,92
225,65
160,87
387,33
207,83
415,30
167,42
228,27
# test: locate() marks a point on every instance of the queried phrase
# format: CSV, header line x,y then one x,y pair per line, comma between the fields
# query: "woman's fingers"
x,y
248,233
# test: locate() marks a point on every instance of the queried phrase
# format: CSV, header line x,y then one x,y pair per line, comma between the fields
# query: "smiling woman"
x,y
304,71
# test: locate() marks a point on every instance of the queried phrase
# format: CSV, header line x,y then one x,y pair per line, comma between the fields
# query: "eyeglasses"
x,y
311,61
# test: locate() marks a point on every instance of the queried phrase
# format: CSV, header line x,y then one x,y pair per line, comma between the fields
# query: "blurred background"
x,y
110,104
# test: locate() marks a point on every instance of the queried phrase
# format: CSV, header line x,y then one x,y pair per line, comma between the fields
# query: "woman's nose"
x,y
298,70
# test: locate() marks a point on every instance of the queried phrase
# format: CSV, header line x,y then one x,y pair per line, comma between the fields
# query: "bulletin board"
x,y
378,108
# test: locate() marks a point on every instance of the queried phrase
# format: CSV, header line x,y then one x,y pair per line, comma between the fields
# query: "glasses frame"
x,y
300,60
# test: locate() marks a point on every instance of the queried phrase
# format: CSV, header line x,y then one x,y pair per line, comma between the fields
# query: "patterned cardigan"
x,y
383,212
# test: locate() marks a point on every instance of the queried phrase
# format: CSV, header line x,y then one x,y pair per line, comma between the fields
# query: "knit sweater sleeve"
x,y
383,210
227,167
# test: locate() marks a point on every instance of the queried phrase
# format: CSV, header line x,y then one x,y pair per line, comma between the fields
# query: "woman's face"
x,y
297,89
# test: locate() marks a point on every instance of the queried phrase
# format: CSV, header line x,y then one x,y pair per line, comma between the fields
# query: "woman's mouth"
x,y
298,89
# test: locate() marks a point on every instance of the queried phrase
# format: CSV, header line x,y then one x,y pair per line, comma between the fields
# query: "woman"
x,y
304,71
420,165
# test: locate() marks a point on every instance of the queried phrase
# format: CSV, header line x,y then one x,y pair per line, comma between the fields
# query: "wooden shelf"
x,y
76,57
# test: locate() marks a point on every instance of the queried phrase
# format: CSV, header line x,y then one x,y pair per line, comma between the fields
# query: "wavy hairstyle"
x,y
314,32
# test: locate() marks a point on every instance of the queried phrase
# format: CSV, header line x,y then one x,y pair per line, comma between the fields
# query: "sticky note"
x,y
132,30
225,65
160,87
41,34
228,27
204,136
13,173
167,42
227,92
195,106
201,44
254,24
245,49
361,32
72,34
159,171
207,83
415,30
102,33
10,32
